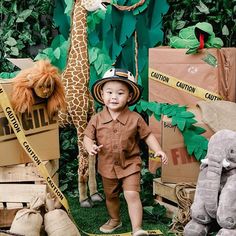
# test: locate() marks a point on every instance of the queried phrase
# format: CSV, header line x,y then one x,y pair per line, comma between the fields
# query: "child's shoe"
x,y
110,226
140,232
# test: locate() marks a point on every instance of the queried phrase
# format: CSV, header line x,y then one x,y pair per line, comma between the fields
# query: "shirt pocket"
x,y
128,145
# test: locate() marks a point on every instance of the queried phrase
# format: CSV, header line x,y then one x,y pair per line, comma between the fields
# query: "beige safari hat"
x,y
115,74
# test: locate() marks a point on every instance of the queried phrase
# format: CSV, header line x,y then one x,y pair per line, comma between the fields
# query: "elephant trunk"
x,y
212,184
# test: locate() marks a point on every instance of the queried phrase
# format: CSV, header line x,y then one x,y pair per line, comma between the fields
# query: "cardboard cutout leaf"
x,y
152,106
157,116
139,108
57,53
181,123
190,149
186,114
149,113
141,8
62,18
126,32
156,10
93,54
144,105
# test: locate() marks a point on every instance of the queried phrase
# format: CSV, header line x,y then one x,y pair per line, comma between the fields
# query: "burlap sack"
x,y
28,222
58,223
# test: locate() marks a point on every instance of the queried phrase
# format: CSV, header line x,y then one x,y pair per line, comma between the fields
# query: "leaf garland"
x,y
195,143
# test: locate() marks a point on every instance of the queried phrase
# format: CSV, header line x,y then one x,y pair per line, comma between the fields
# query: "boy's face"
x,y
116,95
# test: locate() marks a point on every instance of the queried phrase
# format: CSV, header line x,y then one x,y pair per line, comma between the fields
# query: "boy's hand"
x,y
163,156
95,149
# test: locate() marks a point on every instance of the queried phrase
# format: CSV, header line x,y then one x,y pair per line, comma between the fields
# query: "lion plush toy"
x,y
215,197
42,80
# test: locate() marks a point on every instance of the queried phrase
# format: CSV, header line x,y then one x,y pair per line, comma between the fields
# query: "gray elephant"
x,y
215,197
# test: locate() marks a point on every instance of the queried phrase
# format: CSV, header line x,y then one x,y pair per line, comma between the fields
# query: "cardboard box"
x,y
41,132
181,167
191,70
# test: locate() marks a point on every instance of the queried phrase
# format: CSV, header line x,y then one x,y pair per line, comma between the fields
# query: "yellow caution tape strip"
x,y
152,157
10,114
150,232
182,85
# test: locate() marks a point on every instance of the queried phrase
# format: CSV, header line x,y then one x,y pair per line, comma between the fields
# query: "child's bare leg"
x,y
135,209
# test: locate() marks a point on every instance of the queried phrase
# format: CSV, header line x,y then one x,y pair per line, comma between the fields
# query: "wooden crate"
x,y
165,195
18,185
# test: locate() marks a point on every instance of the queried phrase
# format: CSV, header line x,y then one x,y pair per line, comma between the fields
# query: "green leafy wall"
x,y
26,27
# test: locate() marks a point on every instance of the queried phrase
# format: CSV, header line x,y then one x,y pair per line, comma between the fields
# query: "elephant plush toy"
x,y
215,197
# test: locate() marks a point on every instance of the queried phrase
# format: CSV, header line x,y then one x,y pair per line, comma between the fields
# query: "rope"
x,y
129,8
136,55
184,204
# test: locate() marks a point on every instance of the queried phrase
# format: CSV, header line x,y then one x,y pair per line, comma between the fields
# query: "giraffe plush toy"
x,y
80,105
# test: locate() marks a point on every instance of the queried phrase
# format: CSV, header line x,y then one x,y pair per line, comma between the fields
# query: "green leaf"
x,y
198,130
198,151
186,114
210,59
126,32
157,116
64,187
149,112
139,108
190,149
11,41
152,106
14,51
148,210
225,30
192,51
180,24
202,8
181,123
57,53
23,15
144,105
141,8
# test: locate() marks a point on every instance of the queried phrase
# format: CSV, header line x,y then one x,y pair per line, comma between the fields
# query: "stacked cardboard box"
x,y
20,179
41,132
178,78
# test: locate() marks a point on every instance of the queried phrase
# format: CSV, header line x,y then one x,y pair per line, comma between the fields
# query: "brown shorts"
x,y
113,187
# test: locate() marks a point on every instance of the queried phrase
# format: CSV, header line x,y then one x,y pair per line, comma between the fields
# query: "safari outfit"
x,y
119,161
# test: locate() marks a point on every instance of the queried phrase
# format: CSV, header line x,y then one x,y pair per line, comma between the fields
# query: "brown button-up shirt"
x,y
120,154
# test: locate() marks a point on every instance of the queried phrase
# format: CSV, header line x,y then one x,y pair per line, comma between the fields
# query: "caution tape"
x,y
154,232
10,114
152,157
183,86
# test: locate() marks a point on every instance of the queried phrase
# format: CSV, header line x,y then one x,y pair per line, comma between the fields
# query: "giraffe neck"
x,y
77,69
